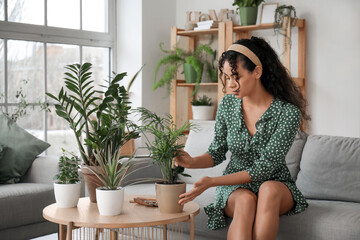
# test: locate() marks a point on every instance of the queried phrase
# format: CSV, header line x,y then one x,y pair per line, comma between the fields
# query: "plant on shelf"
x,y
248,10
192,62
202,108
67,184
163,149
100,117
285,17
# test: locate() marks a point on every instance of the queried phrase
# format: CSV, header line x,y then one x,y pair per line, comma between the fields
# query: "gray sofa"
x,y
21,204
326,170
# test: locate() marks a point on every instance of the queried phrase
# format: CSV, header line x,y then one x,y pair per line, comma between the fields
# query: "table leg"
x,y
69,231
62,232
164,232
192,227
114,234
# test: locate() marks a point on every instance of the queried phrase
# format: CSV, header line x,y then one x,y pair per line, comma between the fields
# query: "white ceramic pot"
x,y
203,112
110,202
67,195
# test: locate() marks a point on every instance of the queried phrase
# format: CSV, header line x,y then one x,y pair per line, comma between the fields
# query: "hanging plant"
x,y
285,16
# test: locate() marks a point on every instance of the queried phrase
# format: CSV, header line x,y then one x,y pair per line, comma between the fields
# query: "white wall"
x,y
332,59
142,25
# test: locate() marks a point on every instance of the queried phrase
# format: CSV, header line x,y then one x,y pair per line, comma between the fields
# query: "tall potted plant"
x,y
163,149
192,62
101,117
248,10
67,185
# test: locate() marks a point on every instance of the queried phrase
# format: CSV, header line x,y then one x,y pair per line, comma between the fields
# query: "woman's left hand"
x,y
199,187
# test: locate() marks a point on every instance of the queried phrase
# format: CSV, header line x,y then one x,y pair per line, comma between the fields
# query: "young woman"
x,y
257,123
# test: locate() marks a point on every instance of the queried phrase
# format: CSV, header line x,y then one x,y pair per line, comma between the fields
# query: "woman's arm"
x,y
186,161
207,182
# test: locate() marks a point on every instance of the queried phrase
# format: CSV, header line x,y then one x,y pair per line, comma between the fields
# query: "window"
x,y
38,38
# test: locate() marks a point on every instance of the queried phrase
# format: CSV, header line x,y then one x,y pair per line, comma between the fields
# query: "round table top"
x,y
132,215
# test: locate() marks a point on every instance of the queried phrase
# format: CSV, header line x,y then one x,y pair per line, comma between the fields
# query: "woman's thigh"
x,y
274,194
243,198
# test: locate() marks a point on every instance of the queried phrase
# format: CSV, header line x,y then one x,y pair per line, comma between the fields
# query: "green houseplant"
x,y
163,149
67,185
111,172
285,17
202,108
248,10
100,116
192,62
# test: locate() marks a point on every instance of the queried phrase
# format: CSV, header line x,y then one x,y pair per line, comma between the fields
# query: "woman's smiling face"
x,y
246,80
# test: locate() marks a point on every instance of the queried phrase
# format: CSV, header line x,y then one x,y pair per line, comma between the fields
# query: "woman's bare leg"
x,y
241,206
274,199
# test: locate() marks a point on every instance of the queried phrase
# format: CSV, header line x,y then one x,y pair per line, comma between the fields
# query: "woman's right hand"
x,y
184,160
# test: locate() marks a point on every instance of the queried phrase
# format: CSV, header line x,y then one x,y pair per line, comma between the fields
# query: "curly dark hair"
x,y
275,77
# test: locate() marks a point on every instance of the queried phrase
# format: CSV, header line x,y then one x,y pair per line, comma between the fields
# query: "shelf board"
x,y
190,33
182,83
300,82
239,28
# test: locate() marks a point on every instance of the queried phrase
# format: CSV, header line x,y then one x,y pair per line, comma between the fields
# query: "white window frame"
x,y
56,35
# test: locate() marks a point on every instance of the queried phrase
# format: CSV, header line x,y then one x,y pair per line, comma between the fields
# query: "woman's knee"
x,y
241,200
270,190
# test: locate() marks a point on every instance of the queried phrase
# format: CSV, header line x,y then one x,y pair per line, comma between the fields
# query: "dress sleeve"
x,y
272,157
218,147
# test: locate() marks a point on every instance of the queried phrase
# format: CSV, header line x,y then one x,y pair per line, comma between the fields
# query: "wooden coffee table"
x,y
134,220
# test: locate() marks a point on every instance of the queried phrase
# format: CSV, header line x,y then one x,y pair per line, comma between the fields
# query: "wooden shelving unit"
x,y
228,33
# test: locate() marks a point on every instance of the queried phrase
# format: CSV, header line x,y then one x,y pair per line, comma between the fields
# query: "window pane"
x,y
32,121
2,82
94,15
64,13
59,134
26,11
2,10
58,56
25,70
99,57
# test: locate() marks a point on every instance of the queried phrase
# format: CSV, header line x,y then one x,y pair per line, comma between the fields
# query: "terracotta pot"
x,y
167,196
92,182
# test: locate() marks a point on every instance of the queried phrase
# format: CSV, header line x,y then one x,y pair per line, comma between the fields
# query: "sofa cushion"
x,y
22,203
293,157
22,148
323,220
2,151
330,168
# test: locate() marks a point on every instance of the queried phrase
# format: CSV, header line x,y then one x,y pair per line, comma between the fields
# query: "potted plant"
x,y
67,186
110,197
163,149
202,108
98,117
192,62
248,10
285,17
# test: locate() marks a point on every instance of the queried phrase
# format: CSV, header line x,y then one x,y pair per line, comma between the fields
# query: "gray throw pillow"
x,y
21,150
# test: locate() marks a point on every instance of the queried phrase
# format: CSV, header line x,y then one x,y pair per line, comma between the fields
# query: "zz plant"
x,y
102,120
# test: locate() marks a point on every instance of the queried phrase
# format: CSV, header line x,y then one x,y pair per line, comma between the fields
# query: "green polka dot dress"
x,y
262,156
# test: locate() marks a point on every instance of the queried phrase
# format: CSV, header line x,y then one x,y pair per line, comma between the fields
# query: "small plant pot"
x,y
203,112
190,73
67,195
167,197
110,202
248,15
